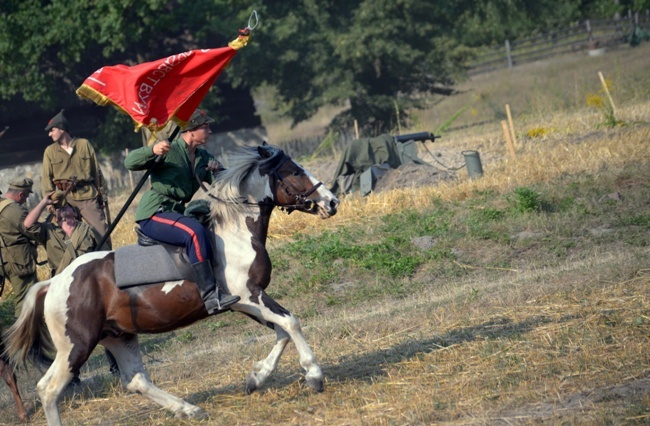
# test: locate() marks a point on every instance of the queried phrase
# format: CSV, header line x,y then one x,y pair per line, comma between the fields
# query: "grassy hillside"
x,y
522,297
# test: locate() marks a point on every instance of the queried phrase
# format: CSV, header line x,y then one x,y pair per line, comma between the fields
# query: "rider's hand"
x,y
214,166
161,148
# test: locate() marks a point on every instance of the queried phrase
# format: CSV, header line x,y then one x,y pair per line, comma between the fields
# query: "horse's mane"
x,y
227,193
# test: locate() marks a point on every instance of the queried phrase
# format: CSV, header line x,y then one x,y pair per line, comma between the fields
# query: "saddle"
x,y
150,261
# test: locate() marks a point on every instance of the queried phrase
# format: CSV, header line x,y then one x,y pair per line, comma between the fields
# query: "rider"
x,y
173,183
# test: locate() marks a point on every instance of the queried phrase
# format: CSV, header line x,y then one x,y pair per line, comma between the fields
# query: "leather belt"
x,y
65,184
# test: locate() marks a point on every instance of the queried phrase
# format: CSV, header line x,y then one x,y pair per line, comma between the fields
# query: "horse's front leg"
x,y
263,369
269,312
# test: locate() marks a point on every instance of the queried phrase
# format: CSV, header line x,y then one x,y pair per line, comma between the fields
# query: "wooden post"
x,y
589,34
512,128
609,96
126,152
506,134
508,54
356,129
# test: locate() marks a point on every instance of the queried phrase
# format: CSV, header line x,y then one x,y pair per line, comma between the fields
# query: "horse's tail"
x,y
28,338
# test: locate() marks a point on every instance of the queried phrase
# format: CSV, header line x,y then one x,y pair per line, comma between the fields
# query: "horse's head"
x,y
294,188
266,177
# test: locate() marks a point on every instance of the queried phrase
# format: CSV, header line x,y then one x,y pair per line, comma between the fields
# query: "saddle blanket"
x,y
136,265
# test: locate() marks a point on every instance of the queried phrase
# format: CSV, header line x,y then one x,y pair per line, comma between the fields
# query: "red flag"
x,y
152,93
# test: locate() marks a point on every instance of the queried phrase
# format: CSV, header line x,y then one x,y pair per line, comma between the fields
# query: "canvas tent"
x,y
366,160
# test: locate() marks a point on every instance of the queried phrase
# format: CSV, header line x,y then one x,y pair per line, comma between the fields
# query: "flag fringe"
x,y
91,94
239,42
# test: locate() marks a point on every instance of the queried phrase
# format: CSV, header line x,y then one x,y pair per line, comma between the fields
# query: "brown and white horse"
x,y
83,307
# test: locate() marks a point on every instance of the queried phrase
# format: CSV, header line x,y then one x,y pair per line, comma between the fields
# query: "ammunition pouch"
x,y
65,184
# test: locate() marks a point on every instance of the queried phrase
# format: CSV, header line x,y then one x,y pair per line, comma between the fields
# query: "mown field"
x,y
522,297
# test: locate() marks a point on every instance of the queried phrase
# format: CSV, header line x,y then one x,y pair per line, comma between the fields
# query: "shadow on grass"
x,y
369,366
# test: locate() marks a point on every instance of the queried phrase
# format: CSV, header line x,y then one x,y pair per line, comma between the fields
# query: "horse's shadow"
x,y
369,366
372,365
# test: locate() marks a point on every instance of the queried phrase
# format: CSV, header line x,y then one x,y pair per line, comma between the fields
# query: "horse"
x,y
83,307
9,375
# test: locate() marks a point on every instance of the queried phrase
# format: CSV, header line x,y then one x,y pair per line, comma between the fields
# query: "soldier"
x,y
18,252
69,158
64,240
174,183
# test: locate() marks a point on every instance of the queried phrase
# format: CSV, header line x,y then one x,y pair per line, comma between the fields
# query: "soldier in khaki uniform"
x,y
68,158
18,252
64,240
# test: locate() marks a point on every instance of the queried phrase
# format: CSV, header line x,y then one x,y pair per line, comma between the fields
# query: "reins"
x,y
287,187
301,199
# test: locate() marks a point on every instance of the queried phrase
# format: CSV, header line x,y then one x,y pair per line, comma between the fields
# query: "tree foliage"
x,y
380,57
48,48
374,54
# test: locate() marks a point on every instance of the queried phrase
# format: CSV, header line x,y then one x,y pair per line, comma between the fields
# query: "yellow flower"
x,y
594,100
537,132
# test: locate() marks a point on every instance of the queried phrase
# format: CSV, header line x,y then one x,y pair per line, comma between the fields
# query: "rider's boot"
x,y
214,296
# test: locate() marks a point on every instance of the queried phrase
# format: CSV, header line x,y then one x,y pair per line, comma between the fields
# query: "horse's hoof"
x,y
199,414
196,413
316,384
251,384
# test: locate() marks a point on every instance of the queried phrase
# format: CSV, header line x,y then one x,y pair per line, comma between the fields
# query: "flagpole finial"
x,y
245,34
250,19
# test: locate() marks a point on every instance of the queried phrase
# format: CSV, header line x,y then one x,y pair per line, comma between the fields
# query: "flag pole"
x,y
133,194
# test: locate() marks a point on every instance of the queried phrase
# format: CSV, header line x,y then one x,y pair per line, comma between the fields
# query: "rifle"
x,y
107,211
417,137
2,265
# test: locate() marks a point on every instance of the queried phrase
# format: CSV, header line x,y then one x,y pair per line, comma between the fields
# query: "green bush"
x,y
525,200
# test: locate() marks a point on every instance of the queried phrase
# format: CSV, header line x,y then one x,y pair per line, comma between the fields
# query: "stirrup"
x,y
219,305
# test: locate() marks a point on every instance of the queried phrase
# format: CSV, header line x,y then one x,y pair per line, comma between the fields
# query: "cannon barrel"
x,y
419,137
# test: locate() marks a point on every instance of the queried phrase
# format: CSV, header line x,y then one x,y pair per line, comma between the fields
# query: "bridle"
x,y
300,198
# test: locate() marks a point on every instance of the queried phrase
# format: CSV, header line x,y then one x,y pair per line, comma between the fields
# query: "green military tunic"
x,y
82,163
18,253
172,183
61,250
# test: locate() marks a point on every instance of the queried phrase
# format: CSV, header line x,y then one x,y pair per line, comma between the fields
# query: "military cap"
x,y
198,118
58,199
21,184
59,121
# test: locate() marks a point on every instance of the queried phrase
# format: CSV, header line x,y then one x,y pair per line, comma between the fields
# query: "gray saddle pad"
x,y
136,264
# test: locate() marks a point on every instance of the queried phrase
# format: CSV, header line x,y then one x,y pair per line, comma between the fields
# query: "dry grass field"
x,y
520,318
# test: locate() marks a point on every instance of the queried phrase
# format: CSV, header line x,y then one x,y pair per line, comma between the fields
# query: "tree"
x,y
380,55
48,48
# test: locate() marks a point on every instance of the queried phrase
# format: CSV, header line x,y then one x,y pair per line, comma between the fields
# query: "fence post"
x,y
508,54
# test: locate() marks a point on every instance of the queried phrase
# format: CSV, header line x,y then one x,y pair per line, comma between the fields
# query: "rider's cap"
x,y
197,119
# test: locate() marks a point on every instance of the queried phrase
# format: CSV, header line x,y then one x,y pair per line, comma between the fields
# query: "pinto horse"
x,y
83,307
